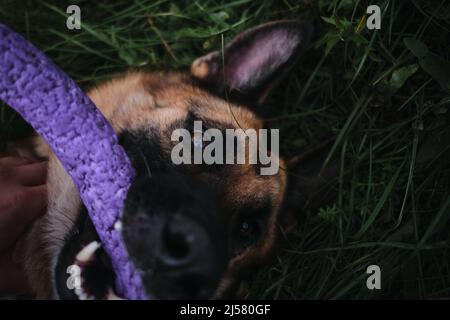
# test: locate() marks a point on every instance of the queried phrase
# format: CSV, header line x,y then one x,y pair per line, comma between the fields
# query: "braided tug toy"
x,y
80,137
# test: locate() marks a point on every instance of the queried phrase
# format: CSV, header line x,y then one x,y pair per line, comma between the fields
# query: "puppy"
x,y
191,230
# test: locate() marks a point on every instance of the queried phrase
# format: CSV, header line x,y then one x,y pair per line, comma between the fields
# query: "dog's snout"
x,y
174,236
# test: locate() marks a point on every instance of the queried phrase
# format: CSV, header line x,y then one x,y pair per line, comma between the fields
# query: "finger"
x,y
32,174
14,161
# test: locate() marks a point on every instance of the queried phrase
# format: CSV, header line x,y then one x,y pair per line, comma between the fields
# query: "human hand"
x,y
23,199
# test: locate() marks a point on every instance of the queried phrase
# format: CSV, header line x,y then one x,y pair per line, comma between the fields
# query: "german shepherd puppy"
x,y
191,230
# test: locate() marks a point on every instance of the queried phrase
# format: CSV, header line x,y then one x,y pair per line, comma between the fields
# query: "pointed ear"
x,y
312,184
252,62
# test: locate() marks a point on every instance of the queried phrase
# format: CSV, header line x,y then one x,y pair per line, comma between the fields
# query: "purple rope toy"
x,y
81,138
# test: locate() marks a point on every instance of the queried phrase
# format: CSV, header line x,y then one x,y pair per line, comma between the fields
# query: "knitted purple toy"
x,y
80,137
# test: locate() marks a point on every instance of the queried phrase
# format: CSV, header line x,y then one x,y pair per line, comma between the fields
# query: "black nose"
x,y
188,257
183,241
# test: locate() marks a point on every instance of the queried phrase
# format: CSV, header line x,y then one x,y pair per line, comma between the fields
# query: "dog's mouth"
x,y
83,269
172,233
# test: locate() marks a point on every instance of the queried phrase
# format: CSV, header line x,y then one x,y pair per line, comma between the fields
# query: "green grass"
x,y
381,96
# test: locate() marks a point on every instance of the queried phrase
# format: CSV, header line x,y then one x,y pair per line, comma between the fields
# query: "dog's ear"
x,y
312,183
250,65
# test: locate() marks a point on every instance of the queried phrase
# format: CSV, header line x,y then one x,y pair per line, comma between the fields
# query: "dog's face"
x,y
183,224
190,229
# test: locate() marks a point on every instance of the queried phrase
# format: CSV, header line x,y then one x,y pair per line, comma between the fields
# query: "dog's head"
x,y
190,229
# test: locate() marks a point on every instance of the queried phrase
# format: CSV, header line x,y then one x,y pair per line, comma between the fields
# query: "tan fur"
x,y
38,251
200,69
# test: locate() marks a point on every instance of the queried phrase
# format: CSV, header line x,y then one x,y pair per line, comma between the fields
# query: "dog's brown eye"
x,y
198,140
246,233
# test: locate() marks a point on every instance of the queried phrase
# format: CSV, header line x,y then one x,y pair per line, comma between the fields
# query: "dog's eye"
x,y
246,233
246,229
198,139
248,226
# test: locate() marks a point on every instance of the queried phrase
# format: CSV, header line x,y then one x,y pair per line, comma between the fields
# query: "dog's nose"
x,y
183,241
187,253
